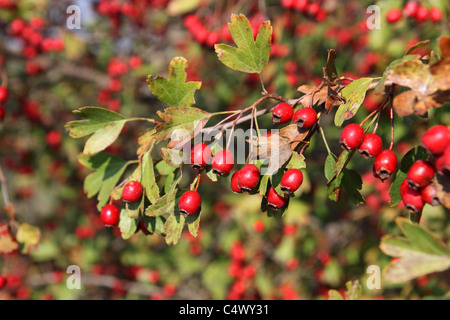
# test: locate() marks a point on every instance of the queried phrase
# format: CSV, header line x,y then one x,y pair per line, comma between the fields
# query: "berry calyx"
x,y
282,113
274,200
132,191
385,164
222,162
190,203
351,136
110,215
234,183
291,181
305,117
436,139
371,146
420,174
200,156
248,177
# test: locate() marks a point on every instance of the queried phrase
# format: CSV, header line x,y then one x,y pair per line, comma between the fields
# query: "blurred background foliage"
x,y
240,253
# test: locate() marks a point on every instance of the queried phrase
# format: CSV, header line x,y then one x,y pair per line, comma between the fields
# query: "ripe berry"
x,y
394,15
436,139
282,113
248,177
412,199
200,156
371,146
420,174
422,14
305,117
132,191
429,195
190,203
351,136
385,164
274,200
291,181
435,14
2,281
222,162
3,94
234,183
410,9
110,215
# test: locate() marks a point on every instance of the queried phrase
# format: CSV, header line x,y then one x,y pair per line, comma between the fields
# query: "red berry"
x,y
53,138
394,15
439,164
410,9
305,117
371,146
2,281
3,94
291,180
222,162
200,156
385,164
259,226
282,113
132,191
248,177
412,199
234,183
301,5
274,200
422,14
429,195
351,136
436,139
190,203
435,14
110,215
446,156
420,174
288,4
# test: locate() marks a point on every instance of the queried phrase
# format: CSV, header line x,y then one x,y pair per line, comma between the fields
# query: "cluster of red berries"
x,y
202,35
116,68
131,192
311,9
133,10
418,188
369,145
283,112
413,10
34,41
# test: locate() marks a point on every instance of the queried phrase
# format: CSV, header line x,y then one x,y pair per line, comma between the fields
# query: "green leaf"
x,y
334,295
165,204
174,91
330,163
107,171
29,236
127,224
173,228
351,183
251,55
417,153
155,224
181,123
104,125
148,178
354,94
419,253
297,161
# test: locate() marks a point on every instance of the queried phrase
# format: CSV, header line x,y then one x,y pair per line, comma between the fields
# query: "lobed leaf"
x,y
174,91
250,56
